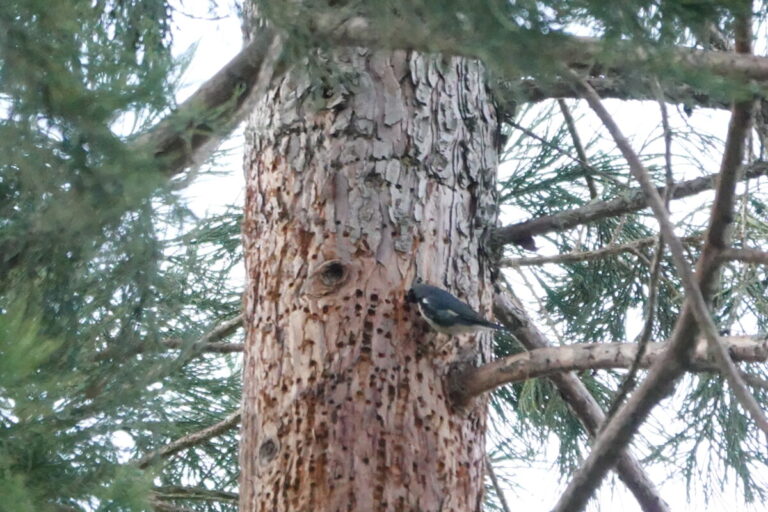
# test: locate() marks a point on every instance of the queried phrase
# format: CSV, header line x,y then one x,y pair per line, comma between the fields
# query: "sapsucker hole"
x,y
332,273
267,451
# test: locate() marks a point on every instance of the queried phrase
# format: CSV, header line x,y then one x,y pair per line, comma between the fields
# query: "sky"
x,y
536,486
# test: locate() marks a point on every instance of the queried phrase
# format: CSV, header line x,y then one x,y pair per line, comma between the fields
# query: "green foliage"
x,y
101,263
604,299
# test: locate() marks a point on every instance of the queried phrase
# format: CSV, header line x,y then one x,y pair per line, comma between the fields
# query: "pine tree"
x,y
385,142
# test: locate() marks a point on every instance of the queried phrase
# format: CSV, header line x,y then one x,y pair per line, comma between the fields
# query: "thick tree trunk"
x,y
353,190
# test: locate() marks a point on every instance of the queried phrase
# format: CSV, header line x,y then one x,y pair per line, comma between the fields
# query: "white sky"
x,y
536,487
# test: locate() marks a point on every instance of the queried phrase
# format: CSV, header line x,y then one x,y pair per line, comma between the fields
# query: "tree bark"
x,y
358,183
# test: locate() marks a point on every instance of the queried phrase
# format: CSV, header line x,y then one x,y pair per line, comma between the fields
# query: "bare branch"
x,y
512,315
188,135
588,170
629,382
169,492
162,506
189,440
214,347
632,201
209,342
543,362
619,430
630,379
613,86
578,256
745,255
754,380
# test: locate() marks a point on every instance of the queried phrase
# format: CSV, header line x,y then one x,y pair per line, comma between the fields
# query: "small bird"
x,y
445,313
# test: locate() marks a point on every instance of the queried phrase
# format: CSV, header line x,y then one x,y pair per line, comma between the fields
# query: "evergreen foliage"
x,y
103,268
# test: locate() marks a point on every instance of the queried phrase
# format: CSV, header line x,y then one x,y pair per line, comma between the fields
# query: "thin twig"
x,y
169,492
496,486
579,256
576,159
189,440
586,167
630,379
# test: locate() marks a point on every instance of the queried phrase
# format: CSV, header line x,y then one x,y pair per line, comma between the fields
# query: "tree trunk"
x,y
357,185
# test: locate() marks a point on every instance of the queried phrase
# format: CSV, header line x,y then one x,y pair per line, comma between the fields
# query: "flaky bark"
x,y
353,190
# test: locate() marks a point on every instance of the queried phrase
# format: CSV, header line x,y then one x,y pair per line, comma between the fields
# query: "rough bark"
x,y
355,188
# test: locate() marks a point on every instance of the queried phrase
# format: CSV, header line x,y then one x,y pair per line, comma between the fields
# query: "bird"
x,y
445,313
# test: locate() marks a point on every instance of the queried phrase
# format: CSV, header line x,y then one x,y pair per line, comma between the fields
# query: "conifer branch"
x,y
162,506
746,255
188,135
612,86
572,51
579,256
586,167
189,441
169,492
660,381
543,362
629,381
199,124
510,313
217,347
211,341
496,485
631,201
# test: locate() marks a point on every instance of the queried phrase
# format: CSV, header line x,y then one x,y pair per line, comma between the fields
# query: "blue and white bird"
x,y
445,313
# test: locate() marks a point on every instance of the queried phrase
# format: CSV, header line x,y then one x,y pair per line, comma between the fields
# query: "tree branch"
x,y
209,342
633,200
188,441
219,347
496,485
745,255
660,381
586,167
573,51
188,135
532,91
579,256
161,506
170,492
512,315
543,362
